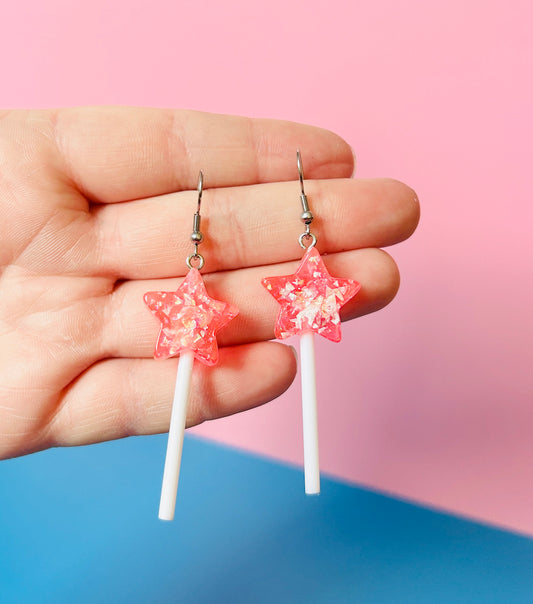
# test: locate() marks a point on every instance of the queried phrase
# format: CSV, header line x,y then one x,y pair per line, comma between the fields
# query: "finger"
x,y
121,153
251,226
125,397
131,330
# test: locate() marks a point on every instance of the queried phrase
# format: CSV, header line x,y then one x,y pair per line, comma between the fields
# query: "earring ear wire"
x,y
196,235
307,216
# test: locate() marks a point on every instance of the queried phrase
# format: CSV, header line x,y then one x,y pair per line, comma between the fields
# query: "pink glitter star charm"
x,y
310,299
189,319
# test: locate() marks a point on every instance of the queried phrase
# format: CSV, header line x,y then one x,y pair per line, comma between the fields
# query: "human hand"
x,y
96,208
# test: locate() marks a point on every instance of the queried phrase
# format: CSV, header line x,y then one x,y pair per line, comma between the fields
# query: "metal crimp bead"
x,y
307,217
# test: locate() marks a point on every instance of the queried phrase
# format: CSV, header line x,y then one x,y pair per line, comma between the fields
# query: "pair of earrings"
x,y
309,300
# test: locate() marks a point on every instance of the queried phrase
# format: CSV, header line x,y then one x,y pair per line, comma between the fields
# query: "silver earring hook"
x,y
196,235
307,216
300,170
200,190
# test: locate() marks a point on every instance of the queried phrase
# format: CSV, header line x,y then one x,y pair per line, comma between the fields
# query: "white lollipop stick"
x,y
309,411
176,431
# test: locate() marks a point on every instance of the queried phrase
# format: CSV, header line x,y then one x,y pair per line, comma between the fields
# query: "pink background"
x,y
430,399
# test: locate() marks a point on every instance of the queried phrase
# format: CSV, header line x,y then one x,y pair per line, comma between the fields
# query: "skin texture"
x,y
96,208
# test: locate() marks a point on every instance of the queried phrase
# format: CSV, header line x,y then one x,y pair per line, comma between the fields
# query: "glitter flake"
x,y
189,319
310,299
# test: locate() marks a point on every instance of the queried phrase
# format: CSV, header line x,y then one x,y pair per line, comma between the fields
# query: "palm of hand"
x,y
51,313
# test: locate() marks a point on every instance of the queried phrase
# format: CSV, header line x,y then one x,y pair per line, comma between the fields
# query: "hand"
x,y
96,209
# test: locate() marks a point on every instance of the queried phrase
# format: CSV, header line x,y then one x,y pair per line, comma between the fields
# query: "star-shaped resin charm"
x,y
310,299
189,319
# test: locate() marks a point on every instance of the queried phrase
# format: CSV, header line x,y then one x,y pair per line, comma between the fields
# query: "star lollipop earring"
x,y
189,320
310,300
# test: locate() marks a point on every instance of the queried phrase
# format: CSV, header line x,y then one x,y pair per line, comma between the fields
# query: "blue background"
x,y
80,525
